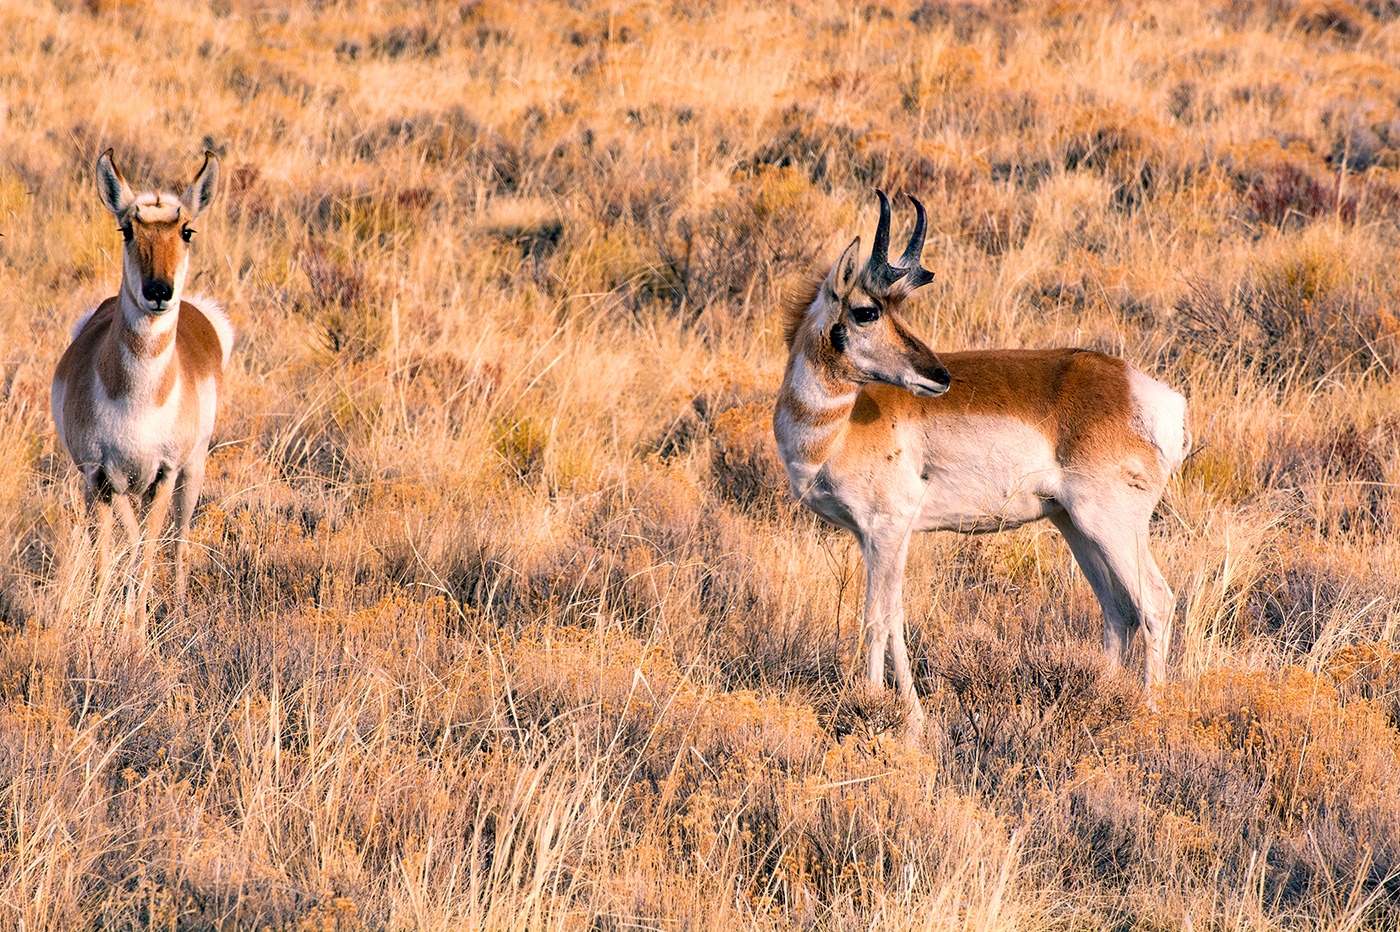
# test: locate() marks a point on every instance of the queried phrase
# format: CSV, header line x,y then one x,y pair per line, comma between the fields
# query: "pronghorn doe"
x,y
135,394
884,438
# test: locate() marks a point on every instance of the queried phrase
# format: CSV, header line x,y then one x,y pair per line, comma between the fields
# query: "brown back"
x,y
1080,400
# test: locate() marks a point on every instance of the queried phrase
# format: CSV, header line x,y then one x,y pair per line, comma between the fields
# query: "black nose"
x,y
937,375
157,290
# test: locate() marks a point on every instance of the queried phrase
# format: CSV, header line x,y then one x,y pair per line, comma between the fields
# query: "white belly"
x,y
986,474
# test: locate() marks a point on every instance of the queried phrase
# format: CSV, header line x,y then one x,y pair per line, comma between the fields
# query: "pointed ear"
x,y
843,274
201,191
111,186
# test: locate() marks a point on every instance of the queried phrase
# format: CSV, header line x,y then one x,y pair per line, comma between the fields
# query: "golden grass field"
x,y
502,616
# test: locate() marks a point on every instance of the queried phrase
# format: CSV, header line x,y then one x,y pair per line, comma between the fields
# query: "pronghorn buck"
x,y
135,394
884,438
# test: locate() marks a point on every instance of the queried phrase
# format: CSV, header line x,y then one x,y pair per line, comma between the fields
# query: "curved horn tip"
x,y
884,208
880,247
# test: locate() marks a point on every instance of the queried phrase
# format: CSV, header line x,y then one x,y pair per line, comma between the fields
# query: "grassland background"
x,y
501,615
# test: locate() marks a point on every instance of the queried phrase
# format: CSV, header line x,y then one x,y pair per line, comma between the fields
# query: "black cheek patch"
x,y
838,338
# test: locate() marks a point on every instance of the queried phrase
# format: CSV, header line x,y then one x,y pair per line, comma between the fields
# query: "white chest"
x,y
129,438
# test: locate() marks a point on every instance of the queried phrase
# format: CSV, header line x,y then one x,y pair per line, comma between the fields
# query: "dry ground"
x,y
502,617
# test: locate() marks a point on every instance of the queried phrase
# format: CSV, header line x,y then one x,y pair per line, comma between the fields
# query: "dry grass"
x,y
501,616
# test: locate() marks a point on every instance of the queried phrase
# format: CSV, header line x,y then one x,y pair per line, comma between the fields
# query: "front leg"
x,y
186,497
126,513
885,557
155,528
99,507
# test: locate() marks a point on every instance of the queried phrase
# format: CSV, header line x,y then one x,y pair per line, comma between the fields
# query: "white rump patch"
x,y
1162,418
82,322
214,311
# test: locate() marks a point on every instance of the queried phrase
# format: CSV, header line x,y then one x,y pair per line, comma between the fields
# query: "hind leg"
x,y
1110,544
1120,619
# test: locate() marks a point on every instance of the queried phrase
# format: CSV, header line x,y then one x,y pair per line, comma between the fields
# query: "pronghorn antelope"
x,y
884,438
135,394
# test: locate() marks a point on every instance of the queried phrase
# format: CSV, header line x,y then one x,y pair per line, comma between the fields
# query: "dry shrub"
x,y
1300,319
1085,282
744,462
1021,712
343,302
385,217
1287,195
860,710
244,192
663,555
296,554
642,554
528,225
1338,472
448,387
311,452
1304,594
995,219
333,279
710,775
422,39
967,19
521,443
112,679
1369,671
829,153
739,249
1285,778
1130,150
1337,18
272,73
437,136
1288,188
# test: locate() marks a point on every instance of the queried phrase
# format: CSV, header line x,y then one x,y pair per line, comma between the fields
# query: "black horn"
x,y
880,275
913,253
880,249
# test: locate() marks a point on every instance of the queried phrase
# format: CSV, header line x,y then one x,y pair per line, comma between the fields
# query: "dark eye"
x,y
187,234
127,234
865,314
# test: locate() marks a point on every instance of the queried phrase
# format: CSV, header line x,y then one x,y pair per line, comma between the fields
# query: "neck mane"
x,y
814,404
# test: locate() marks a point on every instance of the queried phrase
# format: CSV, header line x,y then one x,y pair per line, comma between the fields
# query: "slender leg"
x,y
884,619
186,495
1111,547
155,529
100,515
1119,615
126,513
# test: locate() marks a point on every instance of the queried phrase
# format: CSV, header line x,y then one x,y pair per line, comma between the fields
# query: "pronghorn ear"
x,y
201,191
111,186
843,276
